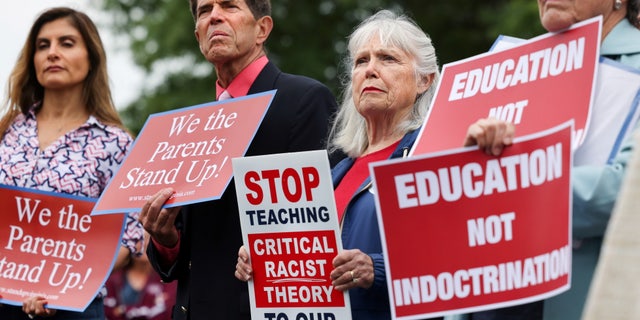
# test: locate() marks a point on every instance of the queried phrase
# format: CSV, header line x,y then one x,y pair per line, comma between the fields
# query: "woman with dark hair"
x,y
60,131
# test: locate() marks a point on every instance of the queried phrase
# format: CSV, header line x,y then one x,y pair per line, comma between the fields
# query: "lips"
x,y
217,33
371,89
53,68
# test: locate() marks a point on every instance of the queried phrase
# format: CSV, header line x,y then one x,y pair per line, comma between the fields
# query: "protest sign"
x,y
189,150
290,229
536,85
52,247
615,110
459,234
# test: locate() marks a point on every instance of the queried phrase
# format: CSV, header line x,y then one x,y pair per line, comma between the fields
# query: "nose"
x,y
52,53
216,15
372,69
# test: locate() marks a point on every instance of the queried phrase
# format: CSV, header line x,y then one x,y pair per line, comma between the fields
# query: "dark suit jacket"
x,y
298,120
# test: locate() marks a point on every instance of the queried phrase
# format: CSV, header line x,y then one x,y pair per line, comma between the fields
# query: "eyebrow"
x,y
62,37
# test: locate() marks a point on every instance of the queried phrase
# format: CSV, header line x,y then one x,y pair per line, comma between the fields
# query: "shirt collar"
x,y
624,38
241,84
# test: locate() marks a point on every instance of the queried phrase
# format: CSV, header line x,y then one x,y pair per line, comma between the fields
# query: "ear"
x,y
264,25
425,83
195,32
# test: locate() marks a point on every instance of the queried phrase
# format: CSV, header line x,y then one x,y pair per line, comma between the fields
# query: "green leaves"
x,y
308,38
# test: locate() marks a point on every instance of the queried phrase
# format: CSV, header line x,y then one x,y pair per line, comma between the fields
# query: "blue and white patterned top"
x,y
80,163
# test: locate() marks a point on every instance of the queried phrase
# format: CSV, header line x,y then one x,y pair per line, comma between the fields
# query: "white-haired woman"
x,y
391,74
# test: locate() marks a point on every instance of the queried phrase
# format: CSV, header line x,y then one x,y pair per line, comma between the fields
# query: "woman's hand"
x,y
243,267
352,268
491,135
36,306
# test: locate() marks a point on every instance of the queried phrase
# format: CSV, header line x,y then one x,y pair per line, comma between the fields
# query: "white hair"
x,y
349,132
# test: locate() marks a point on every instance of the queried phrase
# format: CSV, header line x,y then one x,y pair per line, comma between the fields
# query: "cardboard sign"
x,y
189,149
463,231
52,247
290,229
536,85
615,110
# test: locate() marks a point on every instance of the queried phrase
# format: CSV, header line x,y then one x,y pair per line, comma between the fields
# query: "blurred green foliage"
x,y
308,38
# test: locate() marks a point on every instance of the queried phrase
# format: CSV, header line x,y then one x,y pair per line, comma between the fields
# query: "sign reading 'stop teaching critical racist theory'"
x,y
290,229
53,248
189,150
464,231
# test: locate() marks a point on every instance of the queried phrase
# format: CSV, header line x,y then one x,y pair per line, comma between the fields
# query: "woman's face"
x,y
61,58
384,80
557,15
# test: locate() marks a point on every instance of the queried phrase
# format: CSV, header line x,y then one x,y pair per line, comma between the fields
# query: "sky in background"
x,y
16,18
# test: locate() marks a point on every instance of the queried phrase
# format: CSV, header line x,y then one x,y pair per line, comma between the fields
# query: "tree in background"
x,y
309,38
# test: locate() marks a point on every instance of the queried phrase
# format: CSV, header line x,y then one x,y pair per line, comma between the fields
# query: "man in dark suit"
x,y
197,245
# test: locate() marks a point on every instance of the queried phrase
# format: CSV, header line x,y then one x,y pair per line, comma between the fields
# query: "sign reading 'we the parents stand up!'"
x,y
189,150
53,248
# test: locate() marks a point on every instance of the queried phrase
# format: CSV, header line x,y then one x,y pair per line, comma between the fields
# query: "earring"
x,y
617,5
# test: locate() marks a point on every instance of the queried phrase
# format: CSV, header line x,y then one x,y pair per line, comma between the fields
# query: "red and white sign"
x,y
290,228
189,149
52,247
463,231
536,85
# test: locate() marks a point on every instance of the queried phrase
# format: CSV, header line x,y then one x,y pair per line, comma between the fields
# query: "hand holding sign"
x,y
352,268
159,221
490,135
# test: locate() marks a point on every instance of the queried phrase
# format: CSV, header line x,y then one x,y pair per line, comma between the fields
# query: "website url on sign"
x,y
23,293
178,194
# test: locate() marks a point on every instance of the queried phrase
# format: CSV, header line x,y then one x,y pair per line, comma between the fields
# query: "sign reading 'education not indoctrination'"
x,y
481,244
536,85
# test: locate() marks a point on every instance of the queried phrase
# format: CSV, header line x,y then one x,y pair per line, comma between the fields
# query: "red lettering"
x,y
311,180
271,175
292,183
249,181
291,196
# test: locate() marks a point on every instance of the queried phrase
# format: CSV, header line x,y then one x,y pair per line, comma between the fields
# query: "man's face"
x,y
226,30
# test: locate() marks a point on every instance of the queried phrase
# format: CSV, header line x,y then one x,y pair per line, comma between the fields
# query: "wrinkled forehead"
x,y
380,40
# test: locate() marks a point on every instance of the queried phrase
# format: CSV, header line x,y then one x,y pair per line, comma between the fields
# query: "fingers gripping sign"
x,y
159,221
352,268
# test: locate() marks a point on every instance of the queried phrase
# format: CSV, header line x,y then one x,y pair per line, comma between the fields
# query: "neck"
x,y
63,104
380,139
227,71
612,20
382,130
